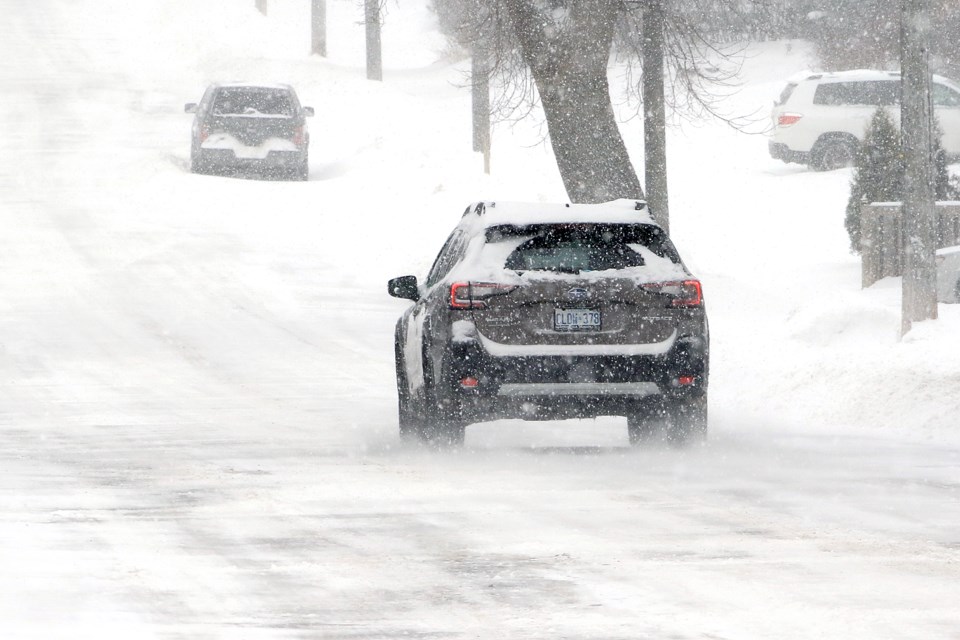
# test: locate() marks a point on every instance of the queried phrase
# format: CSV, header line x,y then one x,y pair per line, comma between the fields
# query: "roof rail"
x,y
475,207
480,208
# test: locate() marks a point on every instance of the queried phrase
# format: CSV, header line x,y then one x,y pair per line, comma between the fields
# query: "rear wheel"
x,y
195,165
443,416
688,420
646,422
444,426
410,425
410,420
833,153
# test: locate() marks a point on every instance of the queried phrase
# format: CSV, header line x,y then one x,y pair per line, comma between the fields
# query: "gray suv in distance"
x,y
245,128
544,312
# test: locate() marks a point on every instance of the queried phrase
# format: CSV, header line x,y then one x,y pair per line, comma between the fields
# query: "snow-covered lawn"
x,y
197,410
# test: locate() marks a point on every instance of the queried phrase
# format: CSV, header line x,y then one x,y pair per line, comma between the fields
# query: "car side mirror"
x,y
308,111
404,287
190,107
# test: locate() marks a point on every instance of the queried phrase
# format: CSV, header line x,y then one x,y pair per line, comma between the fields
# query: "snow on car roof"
x,y
486,260
492,214
854,75
254,85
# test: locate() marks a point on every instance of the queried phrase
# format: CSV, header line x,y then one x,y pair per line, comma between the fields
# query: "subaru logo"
x,y
577,293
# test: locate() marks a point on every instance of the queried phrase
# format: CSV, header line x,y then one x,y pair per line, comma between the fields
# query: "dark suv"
x,y
544,312
243,128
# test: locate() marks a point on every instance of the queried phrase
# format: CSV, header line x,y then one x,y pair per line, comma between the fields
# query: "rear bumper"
x,y
780,151
550,387
227,159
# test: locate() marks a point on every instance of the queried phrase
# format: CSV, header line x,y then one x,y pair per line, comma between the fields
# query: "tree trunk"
x,y
318,27
480,83
916,115
568,56
372,21
655,114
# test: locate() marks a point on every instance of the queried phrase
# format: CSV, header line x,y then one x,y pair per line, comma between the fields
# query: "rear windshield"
x,y
232,101
573,248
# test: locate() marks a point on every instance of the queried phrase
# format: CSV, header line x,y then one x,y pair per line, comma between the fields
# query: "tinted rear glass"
x,y
572,248
872,92
944,96
253,102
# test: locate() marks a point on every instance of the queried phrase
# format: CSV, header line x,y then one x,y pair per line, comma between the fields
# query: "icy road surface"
x,y
197,421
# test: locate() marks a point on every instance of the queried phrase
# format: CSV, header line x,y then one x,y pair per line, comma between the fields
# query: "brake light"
x,y
474,295
204,133
787,119
687,293
298,136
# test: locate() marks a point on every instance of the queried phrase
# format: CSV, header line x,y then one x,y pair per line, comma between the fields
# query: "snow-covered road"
x,y
197,411
192,529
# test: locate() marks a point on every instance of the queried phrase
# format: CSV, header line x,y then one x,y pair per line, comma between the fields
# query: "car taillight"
x,y
204,133
787,119
474,295
687,293
298,136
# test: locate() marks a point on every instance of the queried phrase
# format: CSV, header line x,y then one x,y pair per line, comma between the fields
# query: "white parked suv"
x,y
820,118
948,274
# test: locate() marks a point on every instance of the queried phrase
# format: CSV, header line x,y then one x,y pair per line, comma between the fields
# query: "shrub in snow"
x,y
878,172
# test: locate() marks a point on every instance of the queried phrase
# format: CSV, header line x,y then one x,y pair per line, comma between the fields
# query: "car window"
x,y
451,253
252,102
205,100
582,247
872,92
785,94
944,96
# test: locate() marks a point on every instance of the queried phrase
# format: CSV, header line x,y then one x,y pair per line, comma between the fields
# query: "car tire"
x,y
688,420
196,161
410,424
302,172
834,152
443,416
443,420
646,422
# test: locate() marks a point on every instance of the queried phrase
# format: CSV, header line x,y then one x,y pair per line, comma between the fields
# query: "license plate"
x,y
576,320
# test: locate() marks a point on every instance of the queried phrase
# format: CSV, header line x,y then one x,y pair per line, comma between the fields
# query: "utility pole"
x,y
654,113
372,22
318,27
480,85
261,6
916,116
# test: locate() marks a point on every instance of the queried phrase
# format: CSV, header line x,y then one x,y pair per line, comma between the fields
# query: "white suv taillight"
x,y
687,293
787,119
474,295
